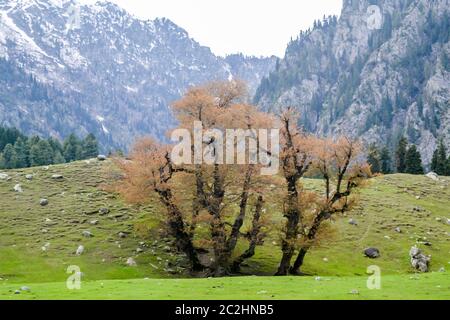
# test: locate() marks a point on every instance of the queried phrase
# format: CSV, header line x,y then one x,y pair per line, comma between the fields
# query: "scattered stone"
x,y
325,259
448,221
103,211
93,222
4,176
353,222
101,157
433,176
372,253
419,261
442,269
18,188
25,288
387,237
79,251
122,235
87,234
46,247
398,230
318,278
43,202
29,177
17,292
139,250
354,291
57,177
418,198
131,262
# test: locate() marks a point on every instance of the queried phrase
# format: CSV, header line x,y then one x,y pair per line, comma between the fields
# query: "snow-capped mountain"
x,y
96,68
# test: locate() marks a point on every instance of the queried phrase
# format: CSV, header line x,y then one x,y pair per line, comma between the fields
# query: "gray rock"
x,y
80,250
103,211
433,176
442,269
398,230
94,222
17,292
372,253
43,202
419,261
25,288
4,176
87,234
18,188
57,177
353,222
131,262
29,177
139,250
122,235
101,157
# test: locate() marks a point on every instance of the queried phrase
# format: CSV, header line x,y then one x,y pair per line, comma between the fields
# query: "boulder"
x,y
57,177
101,157
79,251
398,230
419,261
353,222
103,211
43,202
122,235
87,234
29,177
25,288
94,222
18,188
131,262
433,176
372,253
4,176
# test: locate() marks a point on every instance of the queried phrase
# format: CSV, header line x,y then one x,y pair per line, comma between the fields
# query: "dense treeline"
x,y
407,159
20,151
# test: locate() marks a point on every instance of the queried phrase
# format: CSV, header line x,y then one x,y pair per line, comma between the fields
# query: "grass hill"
x,y
38,243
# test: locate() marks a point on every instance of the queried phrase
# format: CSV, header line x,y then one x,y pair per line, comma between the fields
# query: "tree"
x,y
58,158
305,212
400,155
90,147
9,157
386,161
439,162
23,153
41,154
204,194
413,161
374,158
72,148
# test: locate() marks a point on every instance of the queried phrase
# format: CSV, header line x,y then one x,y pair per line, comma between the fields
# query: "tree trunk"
x,y
293,218
254,237
295,270
177,229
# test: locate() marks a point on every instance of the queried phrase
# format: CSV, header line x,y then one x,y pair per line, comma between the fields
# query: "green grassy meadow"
x,y
417,205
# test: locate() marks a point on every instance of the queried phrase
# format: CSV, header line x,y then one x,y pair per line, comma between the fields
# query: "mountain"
x,y
371,74
96,68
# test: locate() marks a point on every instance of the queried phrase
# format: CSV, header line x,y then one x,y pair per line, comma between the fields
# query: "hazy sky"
x,y
254,27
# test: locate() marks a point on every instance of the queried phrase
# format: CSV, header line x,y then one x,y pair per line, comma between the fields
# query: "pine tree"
x,y
373,159
9,157
41,154
90,147
400,155
386,161
23,153
439,163
56,145
413,161
58,158
72,148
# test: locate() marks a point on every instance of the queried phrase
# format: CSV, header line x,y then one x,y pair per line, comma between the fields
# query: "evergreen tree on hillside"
x,y
41,154
58,158
72,148
386,161
90,147
56,145
22,152
400,155
439,163
373,159
413,161
9,157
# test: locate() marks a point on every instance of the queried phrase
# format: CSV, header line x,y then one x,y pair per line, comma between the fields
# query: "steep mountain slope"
x,y
101,71
352,76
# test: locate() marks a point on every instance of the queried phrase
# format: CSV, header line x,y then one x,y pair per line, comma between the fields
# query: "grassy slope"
x,y
387,203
